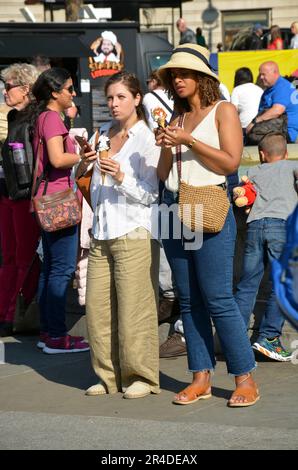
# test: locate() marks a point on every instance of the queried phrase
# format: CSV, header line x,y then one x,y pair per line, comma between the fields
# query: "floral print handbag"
x,y
54,211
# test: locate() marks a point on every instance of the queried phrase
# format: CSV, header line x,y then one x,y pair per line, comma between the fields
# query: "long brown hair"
x,y
275,33
208,90
131,82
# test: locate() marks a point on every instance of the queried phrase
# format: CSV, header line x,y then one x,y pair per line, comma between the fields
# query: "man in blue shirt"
x,y
279,97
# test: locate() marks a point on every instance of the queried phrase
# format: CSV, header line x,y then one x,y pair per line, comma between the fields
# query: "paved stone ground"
x,y
43,406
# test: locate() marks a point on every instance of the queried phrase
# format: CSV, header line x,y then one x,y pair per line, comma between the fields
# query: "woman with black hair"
x,y
246,97
54,92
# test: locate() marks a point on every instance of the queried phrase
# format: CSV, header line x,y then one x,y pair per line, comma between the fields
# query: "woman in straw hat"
x,y
209,133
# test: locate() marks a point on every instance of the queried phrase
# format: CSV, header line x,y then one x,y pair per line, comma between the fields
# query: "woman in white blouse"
x,y
122,279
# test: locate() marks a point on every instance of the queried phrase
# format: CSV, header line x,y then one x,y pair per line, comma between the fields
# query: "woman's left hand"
x,y
111,167
175,135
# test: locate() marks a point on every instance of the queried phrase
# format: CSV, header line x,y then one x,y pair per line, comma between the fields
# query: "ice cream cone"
x,y
161,122
103,148
159,116
102,155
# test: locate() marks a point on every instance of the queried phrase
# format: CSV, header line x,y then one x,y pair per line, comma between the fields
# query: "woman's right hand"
x,y
159,136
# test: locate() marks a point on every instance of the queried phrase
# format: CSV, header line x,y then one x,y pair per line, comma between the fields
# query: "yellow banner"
x,y
229,62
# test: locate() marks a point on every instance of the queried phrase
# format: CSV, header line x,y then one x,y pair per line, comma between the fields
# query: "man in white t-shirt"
x,y
156,98
246,96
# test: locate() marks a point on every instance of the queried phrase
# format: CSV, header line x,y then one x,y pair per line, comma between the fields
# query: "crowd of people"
x,y
138,275
254,38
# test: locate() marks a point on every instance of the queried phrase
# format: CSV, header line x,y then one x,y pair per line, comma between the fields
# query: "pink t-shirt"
x,y
49,124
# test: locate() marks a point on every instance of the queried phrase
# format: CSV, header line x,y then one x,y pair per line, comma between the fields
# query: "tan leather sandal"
x,y
250,394
193,393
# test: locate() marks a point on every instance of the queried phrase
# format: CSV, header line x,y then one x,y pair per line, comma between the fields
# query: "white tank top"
x,y
192,170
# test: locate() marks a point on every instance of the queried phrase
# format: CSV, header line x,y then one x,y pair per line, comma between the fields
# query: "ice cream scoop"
x,y
103,146
159,115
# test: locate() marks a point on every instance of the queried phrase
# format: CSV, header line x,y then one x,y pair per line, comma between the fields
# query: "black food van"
x,y
90,51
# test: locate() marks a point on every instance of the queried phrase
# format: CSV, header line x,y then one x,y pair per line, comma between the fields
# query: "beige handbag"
x,y
212,199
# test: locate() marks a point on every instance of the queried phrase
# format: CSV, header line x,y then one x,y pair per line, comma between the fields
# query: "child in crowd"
x,y
276,199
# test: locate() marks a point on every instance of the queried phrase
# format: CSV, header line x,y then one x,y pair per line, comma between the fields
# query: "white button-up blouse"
x,y
121,208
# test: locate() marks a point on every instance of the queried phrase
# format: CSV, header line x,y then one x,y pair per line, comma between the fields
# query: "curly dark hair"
x,y
208,91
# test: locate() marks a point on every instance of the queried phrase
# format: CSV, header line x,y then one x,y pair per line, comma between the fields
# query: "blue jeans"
x,y
59,262
265,240
204,285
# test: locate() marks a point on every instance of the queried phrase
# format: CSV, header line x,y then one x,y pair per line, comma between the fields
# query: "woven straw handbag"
x,y
192,199
212,199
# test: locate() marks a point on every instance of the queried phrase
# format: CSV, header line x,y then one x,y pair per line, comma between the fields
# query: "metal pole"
x,y
173,26
52,13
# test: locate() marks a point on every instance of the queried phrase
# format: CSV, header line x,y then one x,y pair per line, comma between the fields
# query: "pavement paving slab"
x,y
43,406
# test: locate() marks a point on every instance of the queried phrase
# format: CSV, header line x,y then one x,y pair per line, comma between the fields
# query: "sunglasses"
x,y
70,89
9,86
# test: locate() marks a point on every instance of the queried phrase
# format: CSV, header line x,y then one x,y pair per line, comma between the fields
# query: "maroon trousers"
x,y
19,234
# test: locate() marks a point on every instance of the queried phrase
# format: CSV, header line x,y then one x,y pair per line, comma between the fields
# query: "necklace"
x,y
123,133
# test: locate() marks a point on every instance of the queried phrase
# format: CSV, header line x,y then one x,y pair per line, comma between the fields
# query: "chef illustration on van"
x,y
108,55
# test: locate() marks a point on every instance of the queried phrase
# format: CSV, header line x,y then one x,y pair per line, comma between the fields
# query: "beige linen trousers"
x,y
121,310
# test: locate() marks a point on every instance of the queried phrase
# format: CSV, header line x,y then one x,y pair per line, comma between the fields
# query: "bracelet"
x,y
191,144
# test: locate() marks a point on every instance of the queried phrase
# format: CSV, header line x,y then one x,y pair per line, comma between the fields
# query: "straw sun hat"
x,y
188,56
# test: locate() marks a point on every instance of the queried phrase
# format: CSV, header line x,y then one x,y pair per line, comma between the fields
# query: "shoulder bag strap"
x,y
37,181
162,101
178,148
97,134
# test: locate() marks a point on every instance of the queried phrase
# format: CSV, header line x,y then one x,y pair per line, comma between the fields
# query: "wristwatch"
x,y
190,145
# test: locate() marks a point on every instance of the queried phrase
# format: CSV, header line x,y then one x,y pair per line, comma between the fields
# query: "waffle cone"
x,y
161,122
102,155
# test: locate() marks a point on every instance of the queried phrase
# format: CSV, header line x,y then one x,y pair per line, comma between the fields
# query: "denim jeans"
x,y
59,262
265,240
204,285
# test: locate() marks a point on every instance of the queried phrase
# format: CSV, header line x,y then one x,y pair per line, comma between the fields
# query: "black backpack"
x,y
270,126
19,130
